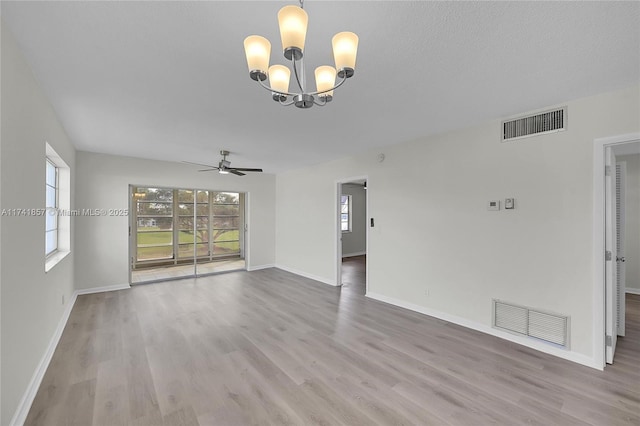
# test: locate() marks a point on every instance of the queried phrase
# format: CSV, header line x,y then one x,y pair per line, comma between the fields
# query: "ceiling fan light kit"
x,y
293,21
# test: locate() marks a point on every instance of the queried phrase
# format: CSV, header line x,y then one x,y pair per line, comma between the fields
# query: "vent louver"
x,y
533,125
552,328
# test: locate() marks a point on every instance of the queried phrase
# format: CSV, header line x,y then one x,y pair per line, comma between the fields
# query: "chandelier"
x,y
293,22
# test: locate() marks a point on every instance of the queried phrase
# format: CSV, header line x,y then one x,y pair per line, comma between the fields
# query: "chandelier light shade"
x,y
279,76
325,80
345,49
293,22
258,50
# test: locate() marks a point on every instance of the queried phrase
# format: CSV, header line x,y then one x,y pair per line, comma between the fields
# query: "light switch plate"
x,y
493,205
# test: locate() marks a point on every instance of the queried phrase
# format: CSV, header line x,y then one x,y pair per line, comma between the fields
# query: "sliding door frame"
x,y
243,199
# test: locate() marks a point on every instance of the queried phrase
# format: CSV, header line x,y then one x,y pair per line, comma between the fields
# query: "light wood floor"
x,y
354,274
269,347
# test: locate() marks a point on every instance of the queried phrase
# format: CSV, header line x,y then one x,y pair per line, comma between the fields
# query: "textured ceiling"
x,y
168,80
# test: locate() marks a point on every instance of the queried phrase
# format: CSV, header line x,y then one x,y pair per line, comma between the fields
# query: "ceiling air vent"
x,y
532,125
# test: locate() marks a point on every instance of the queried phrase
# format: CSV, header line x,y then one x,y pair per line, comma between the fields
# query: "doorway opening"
x,y
616,246
179,233
352,235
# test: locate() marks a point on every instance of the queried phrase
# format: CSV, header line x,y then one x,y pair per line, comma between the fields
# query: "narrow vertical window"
x,y
345,213
51,216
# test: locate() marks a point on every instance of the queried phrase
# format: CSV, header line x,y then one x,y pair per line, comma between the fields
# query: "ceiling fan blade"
x,y
208,170
242,169
235,172
199,164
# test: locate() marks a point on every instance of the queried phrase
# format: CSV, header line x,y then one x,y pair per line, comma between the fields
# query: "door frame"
x,y
621,183
338,230
599,226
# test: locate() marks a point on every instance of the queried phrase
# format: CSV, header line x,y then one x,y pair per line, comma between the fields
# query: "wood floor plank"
x,y
270,347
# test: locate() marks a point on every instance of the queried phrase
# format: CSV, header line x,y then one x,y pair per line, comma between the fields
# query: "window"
x,y
345,213
51,221
174,226
57,220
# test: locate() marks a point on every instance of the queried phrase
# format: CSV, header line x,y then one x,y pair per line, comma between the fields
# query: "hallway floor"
x,y
354,274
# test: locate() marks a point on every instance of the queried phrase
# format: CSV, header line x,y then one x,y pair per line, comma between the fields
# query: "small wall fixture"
x,y
293,22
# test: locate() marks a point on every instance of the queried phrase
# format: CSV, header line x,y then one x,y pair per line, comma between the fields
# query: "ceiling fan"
x,y
224,166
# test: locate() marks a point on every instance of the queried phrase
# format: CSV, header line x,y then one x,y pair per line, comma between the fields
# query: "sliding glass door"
x,y
185,232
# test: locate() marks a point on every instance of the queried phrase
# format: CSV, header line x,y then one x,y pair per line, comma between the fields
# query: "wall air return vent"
x,y
533,125
552,328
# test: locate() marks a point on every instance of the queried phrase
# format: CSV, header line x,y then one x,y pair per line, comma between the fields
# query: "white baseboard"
x,y
102,289
259,267
561,353
632,290
358,253
306,275
24,406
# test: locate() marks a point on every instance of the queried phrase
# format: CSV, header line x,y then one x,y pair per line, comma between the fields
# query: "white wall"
x,y
31,299
103,183
442,239
632,222
355,242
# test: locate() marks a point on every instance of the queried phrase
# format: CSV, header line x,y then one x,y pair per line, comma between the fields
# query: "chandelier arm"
x,y
344,78
319,103
291,102
276,91
295,71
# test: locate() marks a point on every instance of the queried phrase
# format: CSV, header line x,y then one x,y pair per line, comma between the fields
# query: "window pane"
x,y
226,198
185,196
155,194
164,209
185,209
51,197
51,174
51,222
203,249
202,209
186,236
345,226
160,252
229,210
225,235
203,197
202,222
344,199
186,222
155,238
51,241
185,250
226,222
345,217
344,208
226,248
155,223
202,236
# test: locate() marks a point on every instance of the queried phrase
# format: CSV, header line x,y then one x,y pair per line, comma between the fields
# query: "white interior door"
x,y
621,174
611,293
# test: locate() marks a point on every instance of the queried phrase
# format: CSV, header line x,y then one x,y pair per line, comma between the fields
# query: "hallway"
x,y
354,274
